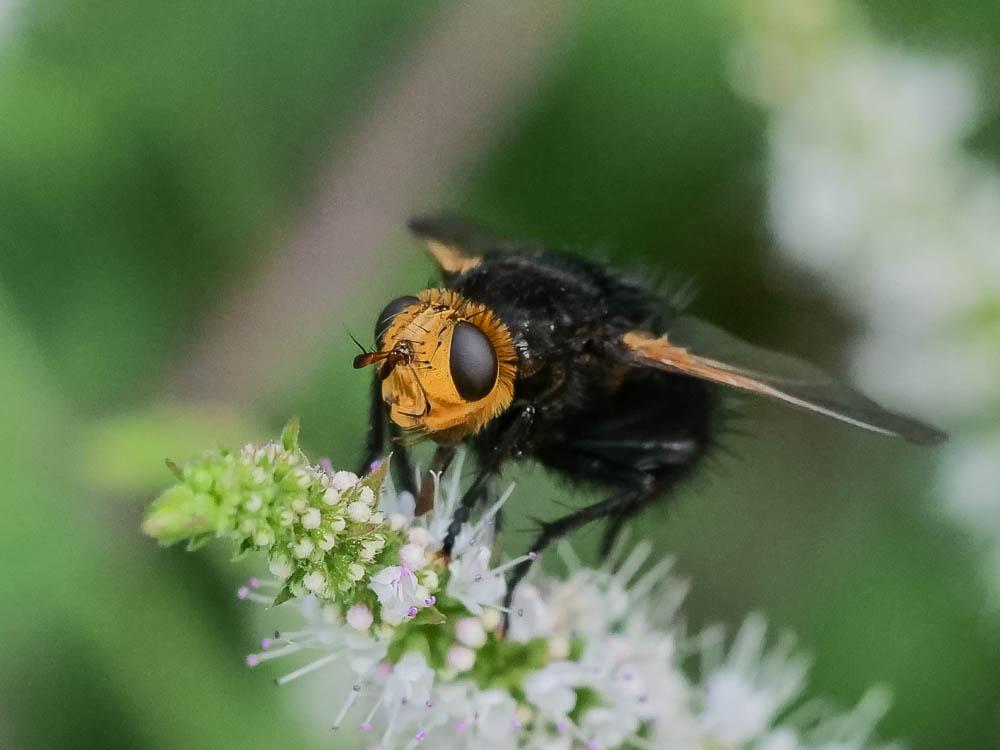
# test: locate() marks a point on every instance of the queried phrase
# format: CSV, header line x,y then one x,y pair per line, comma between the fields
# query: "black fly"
x,y
546,356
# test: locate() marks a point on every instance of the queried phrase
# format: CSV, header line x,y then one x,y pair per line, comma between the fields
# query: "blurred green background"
x,y
199,199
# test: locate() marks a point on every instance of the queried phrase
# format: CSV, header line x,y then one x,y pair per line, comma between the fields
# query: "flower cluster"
x,y
322,531
594,661
872,189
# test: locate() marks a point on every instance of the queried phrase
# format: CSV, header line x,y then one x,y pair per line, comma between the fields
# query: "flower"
x,y
318,528
872,190
552,689
397,591
469,631
359,617
742,695
594,661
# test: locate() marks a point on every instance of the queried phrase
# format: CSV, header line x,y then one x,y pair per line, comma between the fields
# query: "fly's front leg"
x,y
402,468
375,441
489,467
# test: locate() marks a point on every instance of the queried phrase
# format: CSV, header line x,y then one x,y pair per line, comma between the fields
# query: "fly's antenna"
x,y
362,347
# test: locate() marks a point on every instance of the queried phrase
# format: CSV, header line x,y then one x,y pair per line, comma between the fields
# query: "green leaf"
x,y
429,616
180,513
197,542
174,468
246,546
283,596
374,479
290,435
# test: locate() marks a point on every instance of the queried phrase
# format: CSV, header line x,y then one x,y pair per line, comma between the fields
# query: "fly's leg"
x,y
614,529
489,467
624,502
375,441
402,469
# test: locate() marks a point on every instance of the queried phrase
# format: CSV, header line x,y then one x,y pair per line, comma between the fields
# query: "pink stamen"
x,y
253,583
461,725
420,736
430,601
242,592
412,612
366,726
252,660
266,643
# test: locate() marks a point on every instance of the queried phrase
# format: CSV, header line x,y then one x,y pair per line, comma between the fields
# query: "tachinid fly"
x,y
528,353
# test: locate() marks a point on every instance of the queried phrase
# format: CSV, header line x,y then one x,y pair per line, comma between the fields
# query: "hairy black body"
x,y
578,409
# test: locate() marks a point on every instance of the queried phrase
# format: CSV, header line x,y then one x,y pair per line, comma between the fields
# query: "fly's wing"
x,y
455,244
695,348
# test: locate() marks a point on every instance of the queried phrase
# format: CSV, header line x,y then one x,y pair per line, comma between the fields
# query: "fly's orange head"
x,y
447,364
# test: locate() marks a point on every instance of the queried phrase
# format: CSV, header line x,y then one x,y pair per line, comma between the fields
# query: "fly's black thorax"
x,y
561,311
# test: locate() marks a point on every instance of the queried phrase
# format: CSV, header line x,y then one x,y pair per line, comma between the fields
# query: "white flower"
x,y
495,719
412,556
359,617
473,583
343,480
470,632
558,647
609,674
303,548
281,566
410,682
264,537
531,616
359,511
553,688
419,536
397,591
461,659
315,581
743,694
311,519
428,579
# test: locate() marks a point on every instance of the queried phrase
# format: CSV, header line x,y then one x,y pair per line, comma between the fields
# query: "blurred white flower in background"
x,y
872,190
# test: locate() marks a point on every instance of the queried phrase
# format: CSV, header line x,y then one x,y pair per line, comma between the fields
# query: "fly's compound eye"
x,y
473,362
389,312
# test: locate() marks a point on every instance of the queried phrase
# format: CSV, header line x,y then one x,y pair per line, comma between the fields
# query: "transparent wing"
x,y
701,350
